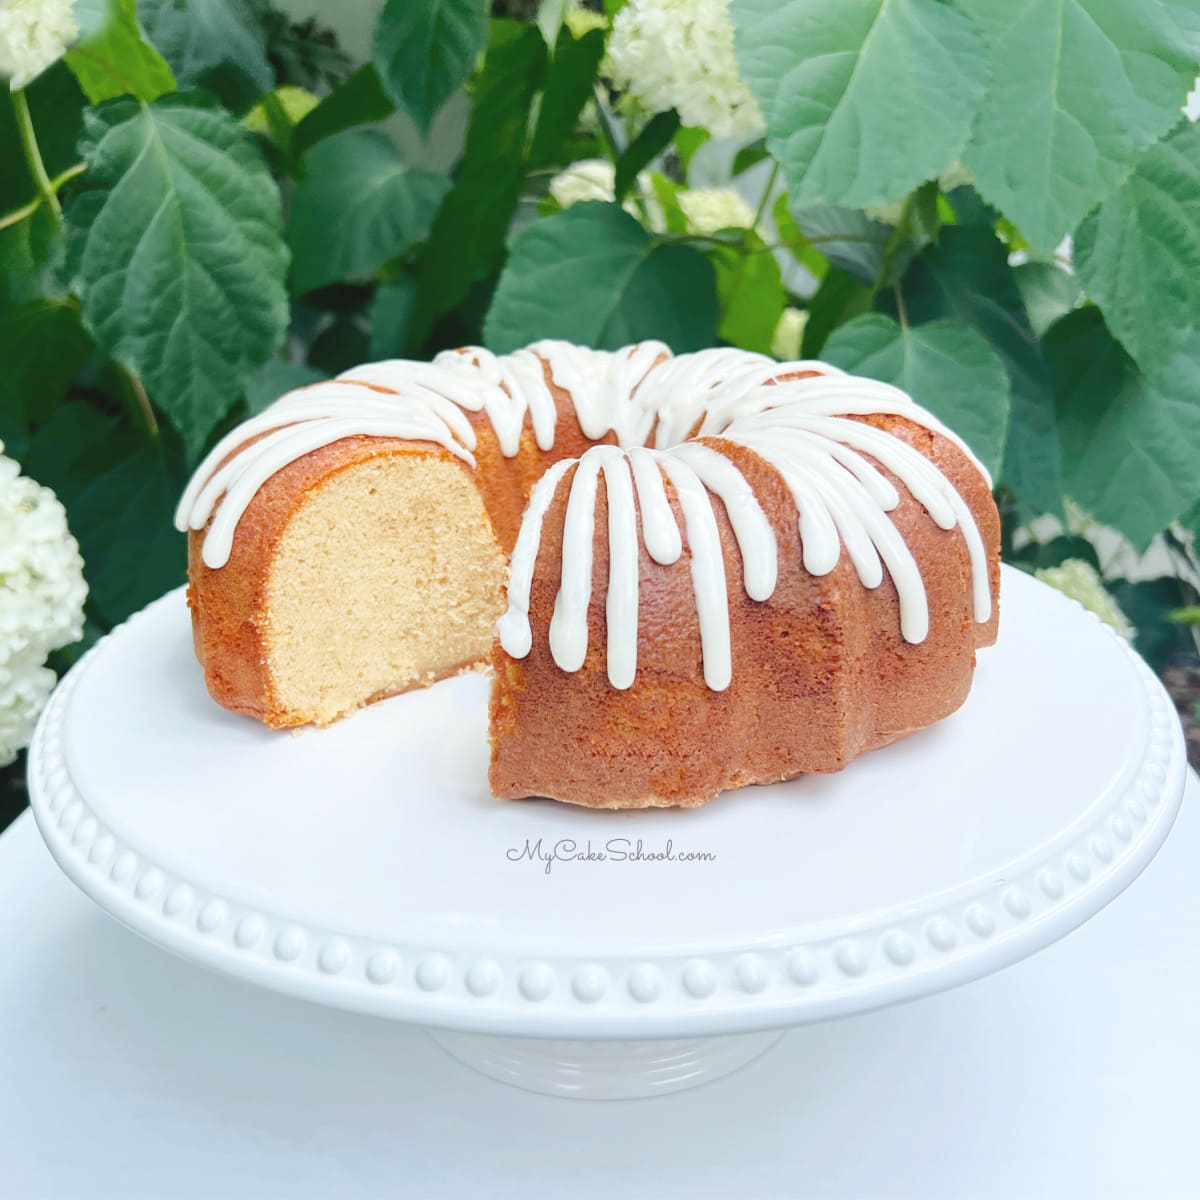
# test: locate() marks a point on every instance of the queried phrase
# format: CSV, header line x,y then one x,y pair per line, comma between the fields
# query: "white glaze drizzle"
x,y
829,462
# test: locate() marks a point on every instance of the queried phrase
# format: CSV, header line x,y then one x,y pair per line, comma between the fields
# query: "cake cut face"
x,y
703,571
386,577
358,571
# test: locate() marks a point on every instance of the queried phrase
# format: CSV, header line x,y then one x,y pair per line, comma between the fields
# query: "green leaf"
x,y
358,100
276,377
342,344
1077,88
795,242
468,237
671,297
122,521
946,366
175,250
1147,603
750,156
863,100
839,299
569,83
113,57
1138,254
848,238
356,207
750,292
654,137
591,275
1131,441
211,43
1048,293
966,275
666,195
1034,556
391,317
425,49
688,140
28,251
921,217
74,446
42,346
277,116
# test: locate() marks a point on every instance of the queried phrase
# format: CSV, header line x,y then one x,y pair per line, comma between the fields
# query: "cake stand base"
x,y
602,1070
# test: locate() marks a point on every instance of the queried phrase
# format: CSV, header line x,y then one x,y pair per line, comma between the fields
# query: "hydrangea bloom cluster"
x,y
709,209
587,179
41,600
596,179
679,54
34,35
1077,578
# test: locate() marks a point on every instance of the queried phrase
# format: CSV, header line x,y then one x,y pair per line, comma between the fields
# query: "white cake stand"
x,y
366,866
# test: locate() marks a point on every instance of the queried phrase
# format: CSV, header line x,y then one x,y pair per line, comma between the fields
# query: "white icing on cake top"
x,y
652,403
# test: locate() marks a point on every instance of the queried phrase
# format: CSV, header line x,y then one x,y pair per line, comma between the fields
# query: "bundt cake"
x,y
702,571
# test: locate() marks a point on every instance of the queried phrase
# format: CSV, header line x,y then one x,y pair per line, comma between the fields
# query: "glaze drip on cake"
x,y
655,406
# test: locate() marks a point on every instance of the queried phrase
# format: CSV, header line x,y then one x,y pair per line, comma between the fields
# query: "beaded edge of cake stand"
x,y
780,984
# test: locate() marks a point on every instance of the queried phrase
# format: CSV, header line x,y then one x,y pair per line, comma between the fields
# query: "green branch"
x,y
56,184
19,214
33,154
766,196
140,401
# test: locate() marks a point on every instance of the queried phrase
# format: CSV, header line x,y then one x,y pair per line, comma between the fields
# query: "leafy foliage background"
x,y
221,217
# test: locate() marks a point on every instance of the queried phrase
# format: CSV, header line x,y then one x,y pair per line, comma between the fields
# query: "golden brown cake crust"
x,y
820,674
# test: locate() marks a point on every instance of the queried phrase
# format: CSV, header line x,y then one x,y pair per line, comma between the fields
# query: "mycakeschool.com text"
x,y
614,850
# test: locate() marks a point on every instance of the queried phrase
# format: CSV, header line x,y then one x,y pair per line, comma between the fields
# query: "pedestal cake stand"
x,y
599,954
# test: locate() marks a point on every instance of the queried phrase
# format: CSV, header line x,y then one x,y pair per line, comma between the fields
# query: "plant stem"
x,y
19,214
901,311
59,181
27,210
896,240
787,244
142,401
33,155
610,139
766,196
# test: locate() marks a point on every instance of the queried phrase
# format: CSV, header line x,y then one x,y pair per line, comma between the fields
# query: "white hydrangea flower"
x,y
679,54
587,179
710,209
1077,578
596,179
34,35
789,333
41,600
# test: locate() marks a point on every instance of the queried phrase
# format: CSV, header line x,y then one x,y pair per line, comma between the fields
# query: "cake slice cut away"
x,y
359,578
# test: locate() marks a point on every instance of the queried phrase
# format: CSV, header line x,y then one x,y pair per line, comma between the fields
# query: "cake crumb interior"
x,y
383,580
